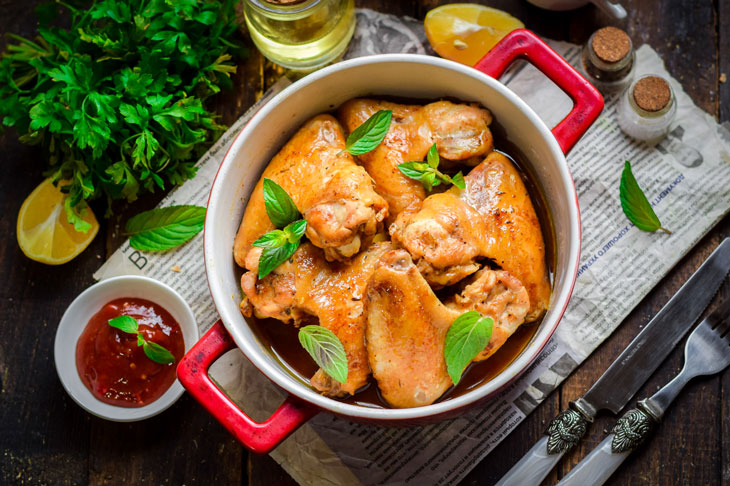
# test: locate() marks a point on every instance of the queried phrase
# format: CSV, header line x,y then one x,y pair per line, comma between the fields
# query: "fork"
x,y
707,352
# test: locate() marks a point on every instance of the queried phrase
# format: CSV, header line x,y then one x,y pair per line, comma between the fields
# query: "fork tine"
x,y
723,327
719,315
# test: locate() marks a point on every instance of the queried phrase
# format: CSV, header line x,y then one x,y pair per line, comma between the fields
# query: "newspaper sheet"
x,y
686,178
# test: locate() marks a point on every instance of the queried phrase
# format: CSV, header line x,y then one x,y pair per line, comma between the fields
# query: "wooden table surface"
x,y
47,439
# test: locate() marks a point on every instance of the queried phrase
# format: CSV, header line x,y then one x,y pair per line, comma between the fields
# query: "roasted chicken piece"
x,y
335,195
305,289
407,326
449,233
460,132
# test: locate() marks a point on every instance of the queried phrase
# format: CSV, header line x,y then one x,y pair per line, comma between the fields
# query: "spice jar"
x,y
647,108
608,60
300,34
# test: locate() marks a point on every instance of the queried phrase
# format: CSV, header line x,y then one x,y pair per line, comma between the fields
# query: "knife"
x,y
628,372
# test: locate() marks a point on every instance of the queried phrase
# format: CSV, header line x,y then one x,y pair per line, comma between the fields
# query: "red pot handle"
x,y
523,44
257,437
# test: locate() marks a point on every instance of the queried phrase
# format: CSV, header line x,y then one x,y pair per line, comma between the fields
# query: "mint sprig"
x,y
326,350
427,172
279,244
369,135
468,335
154,351
635,205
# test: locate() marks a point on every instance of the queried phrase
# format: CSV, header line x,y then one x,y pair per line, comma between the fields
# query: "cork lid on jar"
x,y
611,44
652,93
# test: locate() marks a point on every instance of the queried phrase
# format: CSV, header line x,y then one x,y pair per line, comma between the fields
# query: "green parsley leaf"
x,y
468,335
75,215
279,206
157,353
369,135
115,95
273,257
326,350
126,324
164,228
635,204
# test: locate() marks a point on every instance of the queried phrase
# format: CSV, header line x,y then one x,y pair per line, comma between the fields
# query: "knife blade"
x,y
628,372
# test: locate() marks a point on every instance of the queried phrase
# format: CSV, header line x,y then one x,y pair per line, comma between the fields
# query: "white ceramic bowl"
x,y
77,316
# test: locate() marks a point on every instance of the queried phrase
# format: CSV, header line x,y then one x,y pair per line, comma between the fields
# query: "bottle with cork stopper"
x,y
647,108
608,60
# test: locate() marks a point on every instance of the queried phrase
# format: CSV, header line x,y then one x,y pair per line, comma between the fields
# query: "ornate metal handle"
x,y
630,432
563,433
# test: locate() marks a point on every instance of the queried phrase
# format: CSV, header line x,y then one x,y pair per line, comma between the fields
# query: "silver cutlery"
x,y
707,352
629,371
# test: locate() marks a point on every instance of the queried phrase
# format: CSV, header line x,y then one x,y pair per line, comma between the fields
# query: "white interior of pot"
x,y
410,76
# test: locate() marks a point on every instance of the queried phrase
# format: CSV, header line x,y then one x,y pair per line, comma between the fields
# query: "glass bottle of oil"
x,y
301,34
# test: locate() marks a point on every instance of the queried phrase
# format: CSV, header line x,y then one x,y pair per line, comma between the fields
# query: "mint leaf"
x,y
427,172
157,353
468,335
279,206
164,228
635,204
273,257
295,230
272,239
369,135
140,340
458,181
414,170
433,157
326,350
126,324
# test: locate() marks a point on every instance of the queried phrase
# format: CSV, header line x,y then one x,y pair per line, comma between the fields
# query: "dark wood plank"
x,y
183,445
515,445
693,418
44,436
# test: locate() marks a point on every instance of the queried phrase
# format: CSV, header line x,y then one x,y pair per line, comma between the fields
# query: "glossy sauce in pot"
x,y
281,339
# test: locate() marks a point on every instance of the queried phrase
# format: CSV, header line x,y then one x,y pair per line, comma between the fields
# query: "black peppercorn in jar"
x,y
608,60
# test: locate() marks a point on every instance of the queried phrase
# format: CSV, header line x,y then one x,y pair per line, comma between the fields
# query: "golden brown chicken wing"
x,y
493,218
407,326
335,195
460,131
307,288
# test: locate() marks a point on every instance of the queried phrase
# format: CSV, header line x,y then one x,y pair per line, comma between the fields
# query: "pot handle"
x,y
523,44
258,437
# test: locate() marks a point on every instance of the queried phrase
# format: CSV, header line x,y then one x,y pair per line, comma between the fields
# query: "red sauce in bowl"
x,y
111,364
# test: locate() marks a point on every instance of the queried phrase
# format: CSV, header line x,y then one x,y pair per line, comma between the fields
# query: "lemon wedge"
x,y
44,234
464,32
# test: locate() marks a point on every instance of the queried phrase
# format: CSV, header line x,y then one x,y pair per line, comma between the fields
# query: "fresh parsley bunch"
x,y
117,98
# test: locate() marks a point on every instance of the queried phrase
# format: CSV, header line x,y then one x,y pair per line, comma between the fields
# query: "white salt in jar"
x,y
647,108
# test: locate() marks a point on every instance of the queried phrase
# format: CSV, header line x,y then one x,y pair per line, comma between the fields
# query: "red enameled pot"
x,y
401,75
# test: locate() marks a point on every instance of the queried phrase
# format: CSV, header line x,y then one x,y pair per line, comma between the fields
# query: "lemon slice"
x,y
44,234
464,32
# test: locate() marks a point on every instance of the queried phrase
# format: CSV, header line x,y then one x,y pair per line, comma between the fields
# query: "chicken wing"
x,y
407,326
447,234
460,131
307,288
336,196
